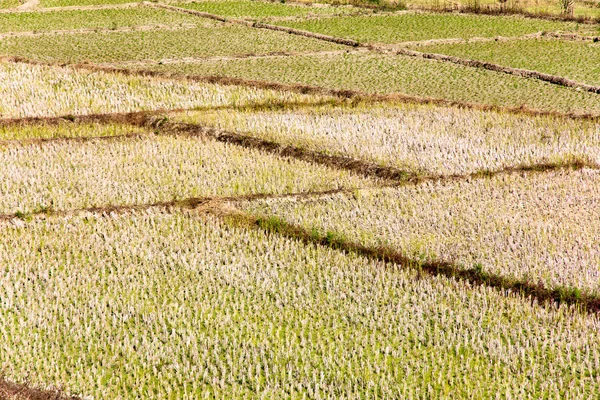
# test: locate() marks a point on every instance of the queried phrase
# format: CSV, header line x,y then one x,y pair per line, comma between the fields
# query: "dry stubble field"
x,y
251,199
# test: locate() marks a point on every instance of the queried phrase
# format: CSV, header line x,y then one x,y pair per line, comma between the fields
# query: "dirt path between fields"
x,y
28,5
193,60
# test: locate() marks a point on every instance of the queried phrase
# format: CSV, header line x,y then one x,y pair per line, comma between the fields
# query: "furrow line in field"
x,y
141,117
133,118
307,89
358,166
529,290
79,139
525,73
59,32
195,203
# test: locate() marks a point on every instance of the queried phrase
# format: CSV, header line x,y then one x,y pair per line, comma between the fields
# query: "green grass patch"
x,y
64,130
106,19
68,3
260,9
412,27
574,60
213,39
374,73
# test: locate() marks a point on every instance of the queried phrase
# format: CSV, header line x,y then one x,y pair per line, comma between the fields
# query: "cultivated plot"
x,y
9,3
71,3
540,228
157,305
209,40
261,9
72,175
27,91
92,19
422,26
417,139
571,59
384,74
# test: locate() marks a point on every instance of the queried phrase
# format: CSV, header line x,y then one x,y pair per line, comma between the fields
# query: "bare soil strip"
x,y
572,36
70,8
61,32
431,42
195,203
532,36
18,391
525,73
353,95
192,60
29,5
470,10
531,290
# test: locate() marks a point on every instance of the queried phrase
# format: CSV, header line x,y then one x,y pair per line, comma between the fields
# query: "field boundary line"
x,y
29,5
466,10
307,89
535,292
256,24
391,176
60,32
71,8
74,139
156,124
532,36
139,117
524,73
130,118
366,168
193,203
571,37
193,60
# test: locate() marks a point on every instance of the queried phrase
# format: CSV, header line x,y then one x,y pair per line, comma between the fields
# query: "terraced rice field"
x,y
208,39
262,9
211,206
413,27
582,63
388,74
418,139
92,19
